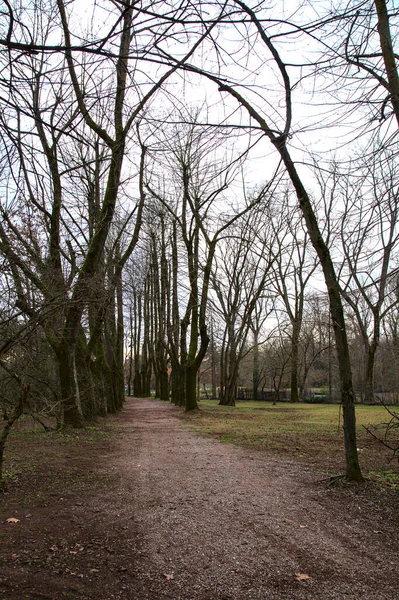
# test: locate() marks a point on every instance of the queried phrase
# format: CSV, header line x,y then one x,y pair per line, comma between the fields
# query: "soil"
x,y
158,511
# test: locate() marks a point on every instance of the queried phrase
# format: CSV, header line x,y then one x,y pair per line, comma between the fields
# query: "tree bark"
x,y
353,472
191,388
255,365
369,374
85,378
388,54
72,410
294,361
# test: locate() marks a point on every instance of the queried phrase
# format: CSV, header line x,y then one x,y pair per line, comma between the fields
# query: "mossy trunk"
x,y
178,386
98,368
229,396
146,382
163,385
71,407
85,379
137,384
191,388
369,375
86,387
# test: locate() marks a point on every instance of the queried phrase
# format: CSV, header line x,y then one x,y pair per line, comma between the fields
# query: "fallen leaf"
x,y
13,520
54,548
302,576
168,576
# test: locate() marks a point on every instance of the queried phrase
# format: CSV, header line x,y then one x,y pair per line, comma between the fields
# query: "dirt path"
x,y
188,518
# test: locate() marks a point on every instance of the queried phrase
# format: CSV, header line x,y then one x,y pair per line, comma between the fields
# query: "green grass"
x,y
309,432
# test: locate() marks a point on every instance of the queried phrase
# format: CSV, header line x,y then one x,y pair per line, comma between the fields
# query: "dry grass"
x,y
308,432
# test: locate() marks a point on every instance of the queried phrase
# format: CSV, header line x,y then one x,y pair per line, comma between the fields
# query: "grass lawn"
x,y
312,433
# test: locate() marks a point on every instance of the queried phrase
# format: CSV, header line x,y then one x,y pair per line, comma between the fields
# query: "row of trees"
x,y
261,297
92,147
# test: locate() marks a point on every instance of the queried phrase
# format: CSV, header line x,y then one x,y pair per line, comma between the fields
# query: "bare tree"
x,y
56,98
241,282
370,240
277,128
276,357
317,349
293,265
193,194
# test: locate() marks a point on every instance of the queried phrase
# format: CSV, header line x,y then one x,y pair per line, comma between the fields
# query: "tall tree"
x,y
241,282
193,196
370,241
276,126
92,98
293,265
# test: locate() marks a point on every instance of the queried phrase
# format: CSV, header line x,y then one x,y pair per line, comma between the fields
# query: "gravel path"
x,y
210,521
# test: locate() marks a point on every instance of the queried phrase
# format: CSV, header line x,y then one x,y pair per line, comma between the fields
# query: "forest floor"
x,y
145,508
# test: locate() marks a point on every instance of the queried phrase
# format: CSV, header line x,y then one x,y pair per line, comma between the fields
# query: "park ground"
x,y
153,504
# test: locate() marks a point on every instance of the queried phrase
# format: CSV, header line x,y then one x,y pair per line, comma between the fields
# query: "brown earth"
x,y
158,511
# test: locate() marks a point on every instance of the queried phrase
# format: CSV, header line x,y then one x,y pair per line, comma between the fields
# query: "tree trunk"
x,y
223,370
146,380
231,374
130,373
176,330
230,393
369,375
191,388
138,318
119,354
110,356
99,369
230,387
145,368
276,386
213,367
353,472
72,410
388,54
255,366
294,362
85,379
178,384
163,385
